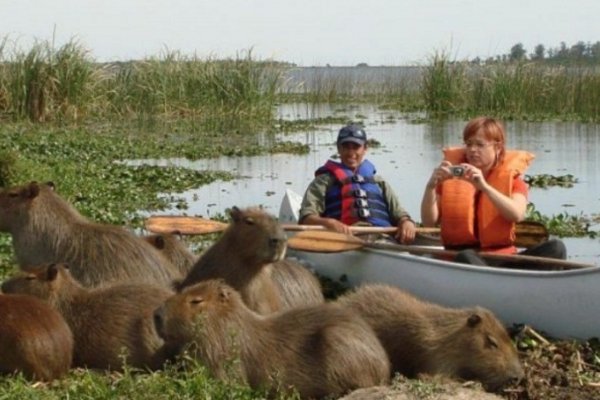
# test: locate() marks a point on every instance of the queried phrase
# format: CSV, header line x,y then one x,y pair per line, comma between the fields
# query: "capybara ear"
x,y
52,272
473,320
31,191
235,213
51,185
159,242
176,285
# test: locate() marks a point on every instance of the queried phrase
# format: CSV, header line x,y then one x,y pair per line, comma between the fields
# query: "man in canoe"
x,y
350,192
477,195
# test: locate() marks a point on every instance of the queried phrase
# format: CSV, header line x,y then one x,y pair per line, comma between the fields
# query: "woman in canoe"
x,y
350,192
477,195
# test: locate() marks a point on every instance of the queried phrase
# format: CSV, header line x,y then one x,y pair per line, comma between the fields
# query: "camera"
x,y
457,170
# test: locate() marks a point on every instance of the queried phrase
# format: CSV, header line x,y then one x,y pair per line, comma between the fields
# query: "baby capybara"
x,y
47,229
34,338
242,256
422,337
318,350
111,325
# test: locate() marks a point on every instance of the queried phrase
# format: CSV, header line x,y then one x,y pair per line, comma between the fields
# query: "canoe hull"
x,y
563,304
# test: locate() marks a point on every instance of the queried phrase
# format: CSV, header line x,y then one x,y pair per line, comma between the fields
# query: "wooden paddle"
x,y
528,233
333,242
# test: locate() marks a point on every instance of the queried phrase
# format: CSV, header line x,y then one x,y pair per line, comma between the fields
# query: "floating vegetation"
x,y
546,180
563,224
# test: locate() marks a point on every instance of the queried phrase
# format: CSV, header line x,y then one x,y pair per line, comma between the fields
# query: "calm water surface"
x,y
408,153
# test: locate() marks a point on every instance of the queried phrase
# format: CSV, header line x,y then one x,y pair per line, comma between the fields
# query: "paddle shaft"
x,y
528,233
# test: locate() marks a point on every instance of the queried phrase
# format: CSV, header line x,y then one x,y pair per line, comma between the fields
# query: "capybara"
x,y
317,350
34,338
297,285
111,325
422,337
47,229
242,256
174,250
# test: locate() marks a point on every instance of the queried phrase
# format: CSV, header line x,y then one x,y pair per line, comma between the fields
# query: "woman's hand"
x,y
439,174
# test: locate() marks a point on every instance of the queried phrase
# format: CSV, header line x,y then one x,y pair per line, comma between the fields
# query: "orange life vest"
x,y
459,209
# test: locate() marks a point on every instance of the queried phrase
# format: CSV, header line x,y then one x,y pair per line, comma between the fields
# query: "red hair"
x,y
492,130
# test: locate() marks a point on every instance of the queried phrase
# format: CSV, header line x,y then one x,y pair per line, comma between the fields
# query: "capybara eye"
x,y
249,220
30,277
196,300
491,341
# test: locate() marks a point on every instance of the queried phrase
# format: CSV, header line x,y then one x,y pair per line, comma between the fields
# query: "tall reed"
x,y
517,90
66,84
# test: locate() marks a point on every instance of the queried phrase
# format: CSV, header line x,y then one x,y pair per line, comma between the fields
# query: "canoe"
x,y
563,304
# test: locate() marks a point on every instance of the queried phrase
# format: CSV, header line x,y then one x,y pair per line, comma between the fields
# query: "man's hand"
x,y
407,231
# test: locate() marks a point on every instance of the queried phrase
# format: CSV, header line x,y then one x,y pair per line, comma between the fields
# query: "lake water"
x,y
408,153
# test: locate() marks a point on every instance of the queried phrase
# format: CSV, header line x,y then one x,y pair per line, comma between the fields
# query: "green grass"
x,y
174,382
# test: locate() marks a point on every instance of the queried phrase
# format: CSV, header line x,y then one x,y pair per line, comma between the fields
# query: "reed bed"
x,y
517,91
66,85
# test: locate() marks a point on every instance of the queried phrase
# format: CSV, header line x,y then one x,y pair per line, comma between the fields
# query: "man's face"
x,y
352,154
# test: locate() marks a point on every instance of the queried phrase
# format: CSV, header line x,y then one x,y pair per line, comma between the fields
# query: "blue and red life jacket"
x,y
355,196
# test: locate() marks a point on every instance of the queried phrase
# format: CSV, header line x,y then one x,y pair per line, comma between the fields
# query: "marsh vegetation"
x,y
68,119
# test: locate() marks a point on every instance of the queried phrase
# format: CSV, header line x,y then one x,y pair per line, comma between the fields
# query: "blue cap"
x,y
352,133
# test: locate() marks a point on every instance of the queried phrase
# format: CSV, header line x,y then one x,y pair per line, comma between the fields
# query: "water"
x,y
409,152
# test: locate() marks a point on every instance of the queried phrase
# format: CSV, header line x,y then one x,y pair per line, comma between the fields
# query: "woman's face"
x,y
480,152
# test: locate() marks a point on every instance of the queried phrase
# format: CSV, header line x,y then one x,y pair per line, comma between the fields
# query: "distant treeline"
x,y
577,54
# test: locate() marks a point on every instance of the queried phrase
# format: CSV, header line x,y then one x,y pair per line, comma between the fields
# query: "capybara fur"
x,y
317,350
426,338
297,285
47,229
242,256
34,339
174,250
111,325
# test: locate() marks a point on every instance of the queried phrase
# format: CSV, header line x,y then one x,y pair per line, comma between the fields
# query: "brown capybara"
x,y
174,250
242,256
111,324
47,229
426,338
296,284
34,338
316,350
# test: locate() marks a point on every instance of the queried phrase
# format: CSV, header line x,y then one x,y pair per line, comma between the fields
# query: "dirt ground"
x,y
564,370
554,370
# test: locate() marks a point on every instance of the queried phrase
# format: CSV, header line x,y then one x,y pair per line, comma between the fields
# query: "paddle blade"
x,y
183,225
530,233
324,242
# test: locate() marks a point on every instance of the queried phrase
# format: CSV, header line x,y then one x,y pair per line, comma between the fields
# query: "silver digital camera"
x,y
457,170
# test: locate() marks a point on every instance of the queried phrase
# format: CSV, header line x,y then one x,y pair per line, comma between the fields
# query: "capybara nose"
x,y
277,242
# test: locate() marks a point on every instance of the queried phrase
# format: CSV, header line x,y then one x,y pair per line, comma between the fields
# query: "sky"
x,y
304,32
